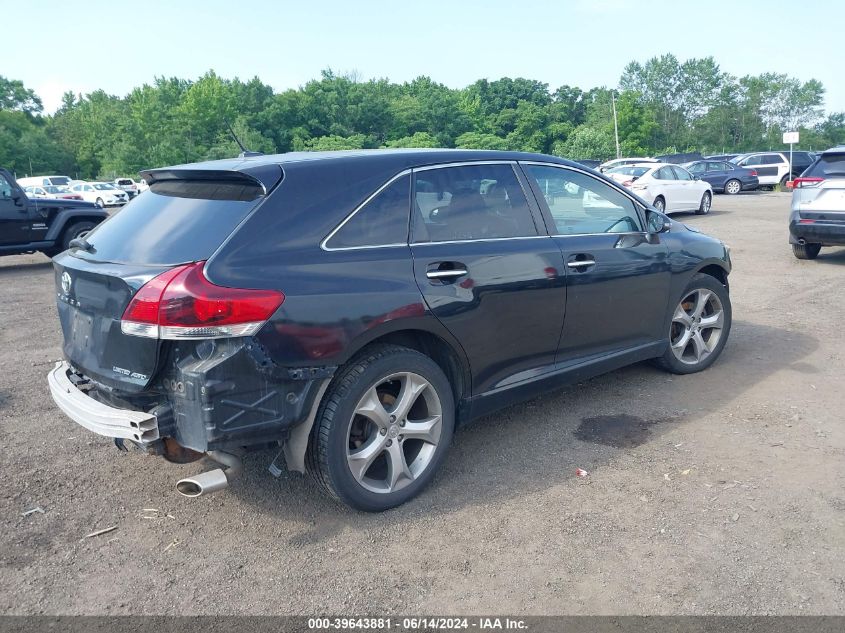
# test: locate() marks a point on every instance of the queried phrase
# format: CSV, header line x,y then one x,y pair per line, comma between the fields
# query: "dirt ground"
x,y
718,493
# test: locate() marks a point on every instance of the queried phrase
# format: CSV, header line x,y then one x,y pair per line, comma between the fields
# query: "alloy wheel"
x,y
696,326
394,433
659,204
733,187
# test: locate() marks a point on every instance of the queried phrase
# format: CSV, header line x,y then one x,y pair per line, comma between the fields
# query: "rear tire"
x,y
659,204
784,180
74,231
806,251
733,187
699,328
99,203
383,428
704,205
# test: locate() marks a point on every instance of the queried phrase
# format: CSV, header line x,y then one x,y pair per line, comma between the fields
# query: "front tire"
x,y
700,325
659,204
806,251
383,429
704,205
733,187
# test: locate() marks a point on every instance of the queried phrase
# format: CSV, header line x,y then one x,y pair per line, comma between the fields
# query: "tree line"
x,y
662,106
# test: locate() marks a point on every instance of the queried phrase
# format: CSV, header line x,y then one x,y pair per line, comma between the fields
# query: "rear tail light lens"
x,y
182,304
627,183
800,183
754,172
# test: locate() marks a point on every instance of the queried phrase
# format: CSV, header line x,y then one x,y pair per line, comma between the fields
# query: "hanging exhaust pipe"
x,y
212,480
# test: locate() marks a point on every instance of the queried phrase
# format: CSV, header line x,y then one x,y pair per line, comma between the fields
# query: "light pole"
x,y
615,122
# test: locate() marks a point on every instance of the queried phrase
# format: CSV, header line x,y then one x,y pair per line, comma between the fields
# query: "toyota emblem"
x,y
66,283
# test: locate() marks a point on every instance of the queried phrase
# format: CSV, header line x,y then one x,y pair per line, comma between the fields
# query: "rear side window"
x,y
827,166
665,173
174,222
470,202
381,221
771,159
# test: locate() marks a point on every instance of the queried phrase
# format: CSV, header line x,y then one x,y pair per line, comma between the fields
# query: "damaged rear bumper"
x,y
95,416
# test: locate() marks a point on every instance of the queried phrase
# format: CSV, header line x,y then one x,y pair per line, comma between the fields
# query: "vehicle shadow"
x,y
835,257
547,438
23,269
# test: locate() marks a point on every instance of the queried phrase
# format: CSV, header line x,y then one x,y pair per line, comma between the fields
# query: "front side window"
x,y
581,204
381,221
5,188
470,202
681,173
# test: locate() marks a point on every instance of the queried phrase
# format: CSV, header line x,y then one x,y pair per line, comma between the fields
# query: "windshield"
x,y
628,170
55,189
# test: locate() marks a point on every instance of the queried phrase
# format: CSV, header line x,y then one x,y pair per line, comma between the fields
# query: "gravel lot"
x,y
719,493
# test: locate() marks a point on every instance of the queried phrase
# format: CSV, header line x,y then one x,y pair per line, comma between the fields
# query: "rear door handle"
x,y
446,270
446,274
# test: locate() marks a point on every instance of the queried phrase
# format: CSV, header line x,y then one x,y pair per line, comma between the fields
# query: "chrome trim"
x,y
324,243
507,161
579,264
96,416
486,239
594,234
445,274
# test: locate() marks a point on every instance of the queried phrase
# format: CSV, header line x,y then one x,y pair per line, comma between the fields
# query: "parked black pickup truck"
x,y
41,224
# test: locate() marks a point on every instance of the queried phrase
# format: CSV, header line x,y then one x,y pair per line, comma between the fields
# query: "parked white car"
x,y
128,185
43,181
669,188
103,194
619,162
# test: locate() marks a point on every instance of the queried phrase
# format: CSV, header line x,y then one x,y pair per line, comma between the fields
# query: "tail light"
x,y
182,304
627,183
754,172
800,183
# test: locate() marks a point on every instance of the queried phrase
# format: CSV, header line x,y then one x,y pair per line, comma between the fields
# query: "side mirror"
x,y
657,222
16,198
694,177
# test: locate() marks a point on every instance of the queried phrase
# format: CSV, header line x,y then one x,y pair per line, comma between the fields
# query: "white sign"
x,y
790,137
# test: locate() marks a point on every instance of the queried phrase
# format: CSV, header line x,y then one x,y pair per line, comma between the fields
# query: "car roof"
x,y
384,159
839,149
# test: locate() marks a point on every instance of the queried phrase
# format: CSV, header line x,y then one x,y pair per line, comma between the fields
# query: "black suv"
x,y
41,224
355,307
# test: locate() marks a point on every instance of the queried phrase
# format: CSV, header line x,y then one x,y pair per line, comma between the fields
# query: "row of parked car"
x,y
675,183
101,193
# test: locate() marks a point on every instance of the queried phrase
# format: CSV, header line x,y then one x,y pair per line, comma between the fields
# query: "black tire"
x,y
806,251
733,187
704,205
784,180
327,457
75,230
99,203
659,204
669,361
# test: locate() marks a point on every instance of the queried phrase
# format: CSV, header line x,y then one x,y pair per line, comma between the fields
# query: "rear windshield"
x,y
629,171
173,223
124,182
827,166
59,180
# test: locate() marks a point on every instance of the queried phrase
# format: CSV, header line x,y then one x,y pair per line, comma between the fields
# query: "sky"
x,y
117,45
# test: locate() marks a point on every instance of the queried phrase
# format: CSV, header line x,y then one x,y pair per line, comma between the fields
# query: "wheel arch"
x,y
717,270
66,218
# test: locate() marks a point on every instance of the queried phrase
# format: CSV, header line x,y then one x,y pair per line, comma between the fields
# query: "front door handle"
x,y
581,262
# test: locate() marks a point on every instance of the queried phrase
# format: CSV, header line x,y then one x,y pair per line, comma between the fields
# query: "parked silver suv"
x,y
818,205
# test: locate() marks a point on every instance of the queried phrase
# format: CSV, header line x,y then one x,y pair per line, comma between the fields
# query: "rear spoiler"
x,y
265,176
